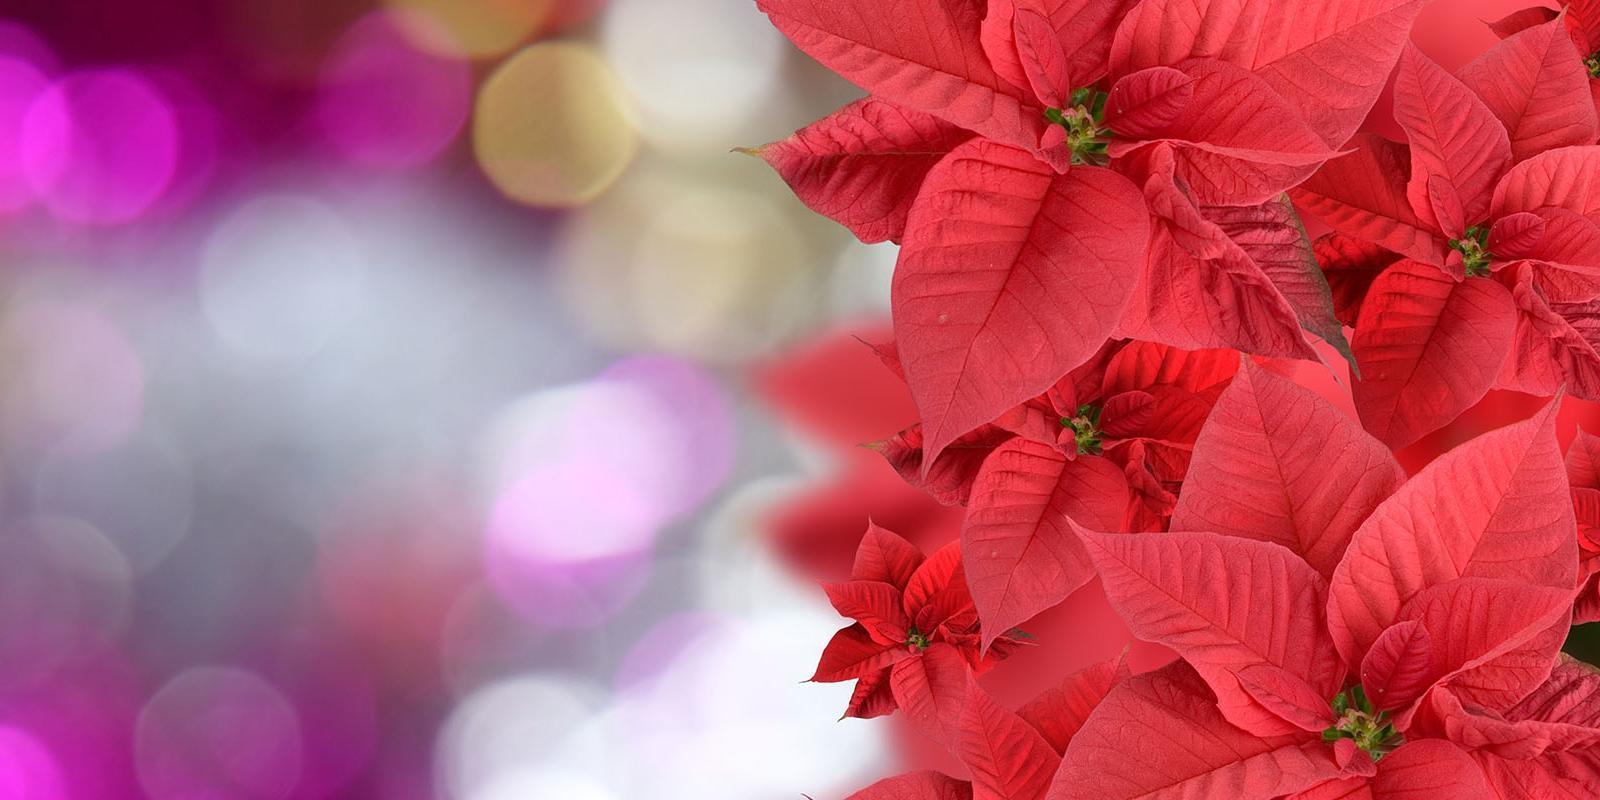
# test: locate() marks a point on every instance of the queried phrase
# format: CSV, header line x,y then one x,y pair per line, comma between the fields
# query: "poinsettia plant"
x,y
1059,171
1476,236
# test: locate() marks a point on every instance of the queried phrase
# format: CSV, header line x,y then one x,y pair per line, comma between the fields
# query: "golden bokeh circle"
x,y
551,128
473,28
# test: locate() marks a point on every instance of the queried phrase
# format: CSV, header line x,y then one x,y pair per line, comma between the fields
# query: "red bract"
x,y
1108,446
1583,473
1379,673
1011,755
1490,207
916,632
1582,21
1060,170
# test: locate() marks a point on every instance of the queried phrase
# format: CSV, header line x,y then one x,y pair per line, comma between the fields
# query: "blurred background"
x,y
413,399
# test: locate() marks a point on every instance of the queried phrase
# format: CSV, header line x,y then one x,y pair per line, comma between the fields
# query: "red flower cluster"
x,y
1103,270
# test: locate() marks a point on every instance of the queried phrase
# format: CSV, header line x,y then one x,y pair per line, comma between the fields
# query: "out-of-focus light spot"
x,y
18,41
484,641
511,726
658,649
333,694
218,732
395,556
100,147
280,276
140,494
694,420
21,85
527,784
559,595
476,28
733,706
27,770
74,380
540,517
65,591
665,263
694,68
385,103
551,127
203,149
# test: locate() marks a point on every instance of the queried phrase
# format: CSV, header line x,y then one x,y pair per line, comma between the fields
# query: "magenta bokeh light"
x,y
385,103
27,770
100,146
217,732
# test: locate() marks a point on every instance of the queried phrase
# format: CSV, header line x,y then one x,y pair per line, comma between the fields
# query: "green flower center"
x,y
1474,249
1370,730
915,639
1085,427
1087,136
1593,63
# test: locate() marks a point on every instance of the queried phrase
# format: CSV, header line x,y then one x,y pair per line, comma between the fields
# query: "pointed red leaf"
x,y
1278,463
1535,82
1568,178
921,55
1428,348
1398,668
872,697
1020,555
1495,507
874,604
1518,21
916,786
949,479
853,653
1275,239
1453,136
931,690
1009,760
1557,776
1060,712
1363,195
1350,265
1562,714
936,579
884,556
1223,604
1516,236
1329,58
1429,769
1147,102
1238,142
996,298
1044,62
862,166
1159,736
1566,261
1492,641
1583,460
1287,696
1086,25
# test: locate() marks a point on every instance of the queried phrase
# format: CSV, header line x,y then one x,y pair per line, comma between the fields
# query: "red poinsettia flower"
x,y
1107,445
915,629
1330,615
1490,207
1582,21
1061,170
1011,755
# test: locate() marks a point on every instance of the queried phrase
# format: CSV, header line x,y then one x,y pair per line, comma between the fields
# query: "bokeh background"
x,y
413,399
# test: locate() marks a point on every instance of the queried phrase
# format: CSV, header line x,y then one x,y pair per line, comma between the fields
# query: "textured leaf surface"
x,y
1398,668
1568,177
931,690
1536,84
916,786
1087,24
884,555
1021,556
1363,195
922,55
863,165
1011,275
1495,507
1158,736
1429,769
1428,348
1350,265
1276,462
1061,711
1224,604
853,653
1329,58
1008,758
1273,236
1454,137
